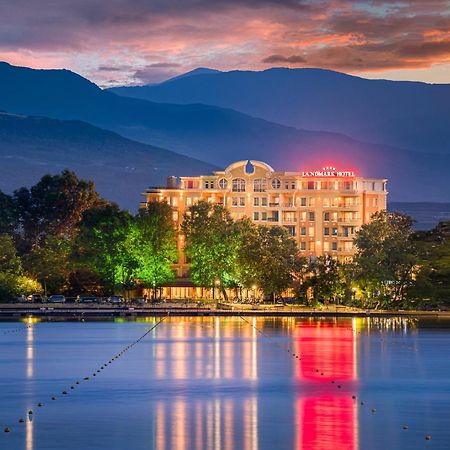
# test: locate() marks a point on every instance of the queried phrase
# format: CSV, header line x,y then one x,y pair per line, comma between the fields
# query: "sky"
x,y
117,42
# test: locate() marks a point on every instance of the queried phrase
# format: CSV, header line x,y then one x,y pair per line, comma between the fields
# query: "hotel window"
x,y
256,201
276,183
241,201
302,216
259,185
311,231
209,184
347,185
326,202
312,247
348,246
174,201
238,185
289,184
303,201
264,201
326,246
234,201
189,184
303,231
302,246
312,201
326,231
311,216
310,185
334,231
327,185
188,201
256,215
223,183
334,246
263,215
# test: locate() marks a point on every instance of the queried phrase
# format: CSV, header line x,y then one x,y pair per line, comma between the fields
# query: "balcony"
x,y
289,219
272,219
288,205
274,205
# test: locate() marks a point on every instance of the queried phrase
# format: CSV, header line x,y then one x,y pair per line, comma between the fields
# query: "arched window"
x,y
259,185
276,183
223,183
238,185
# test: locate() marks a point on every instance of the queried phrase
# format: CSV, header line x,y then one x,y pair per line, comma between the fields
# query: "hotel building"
x,y
321,209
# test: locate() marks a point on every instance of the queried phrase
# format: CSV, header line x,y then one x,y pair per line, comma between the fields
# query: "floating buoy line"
x,y
30,413
288,349
18,329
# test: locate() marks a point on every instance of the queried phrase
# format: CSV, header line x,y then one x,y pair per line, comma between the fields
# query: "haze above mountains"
x,y
291,118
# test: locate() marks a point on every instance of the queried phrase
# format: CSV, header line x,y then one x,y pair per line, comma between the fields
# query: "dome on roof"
x,y
245,162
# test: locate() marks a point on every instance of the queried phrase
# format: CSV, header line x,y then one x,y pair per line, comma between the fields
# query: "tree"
x,y
432,282
103,246
12,280
155,245
386,258
327,279
53,206
49,263
211,244
277,261
8,214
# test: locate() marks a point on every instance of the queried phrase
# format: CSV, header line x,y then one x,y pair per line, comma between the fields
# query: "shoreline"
x,y
77,312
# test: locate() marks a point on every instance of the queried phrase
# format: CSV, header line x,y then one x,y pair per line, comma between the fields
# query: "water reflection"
x,y
328,419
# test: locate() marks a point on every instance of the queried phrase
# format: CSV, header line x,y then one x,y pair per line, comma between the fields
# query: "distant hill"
x,y
404,114
217,135
33,146
426,214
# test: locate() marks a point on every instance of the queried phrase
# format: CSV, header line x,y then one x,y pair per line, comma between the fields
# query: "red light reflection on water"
x,y
327,418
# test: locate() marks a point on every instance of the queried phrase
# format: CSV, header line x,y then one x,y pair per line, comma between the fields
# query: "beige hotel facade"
x,y
322,209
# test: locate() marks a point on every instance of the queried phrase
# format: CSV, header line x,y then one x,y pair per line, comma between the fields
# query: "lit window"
x,y
238,185
223,183
311,231
259,185
334,231
276,183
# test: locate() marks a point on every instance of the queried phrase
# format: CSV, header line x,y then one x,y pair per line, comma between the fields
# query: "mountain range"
x,y
409,115
33,146
85,123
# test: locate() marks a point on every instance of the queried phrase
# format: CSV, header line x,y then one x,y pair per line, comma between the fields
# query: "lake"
x,y
226,383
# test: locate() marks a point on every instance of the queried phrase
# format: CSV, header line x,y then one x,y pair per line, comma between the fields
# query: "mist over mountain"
x,y
33,146
213,134
404,114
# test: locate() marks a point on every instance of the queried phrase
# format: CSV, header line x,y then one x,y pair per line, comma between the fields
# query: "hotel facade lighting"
x,y
322,209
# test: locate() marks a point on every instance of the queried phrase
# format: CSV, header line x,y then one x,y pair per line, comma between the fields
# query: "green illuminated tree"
x,y
155,245
386,259
211,244
104,245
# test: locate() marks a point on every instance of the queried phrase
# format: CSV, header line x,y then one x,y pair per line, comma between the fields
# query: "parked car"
x,y
21,299
87,299
36,298
115,299
57,299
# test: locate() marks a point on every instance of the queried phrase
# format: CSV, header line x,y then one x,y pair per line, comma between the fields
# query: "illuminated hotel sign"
x,y
329,171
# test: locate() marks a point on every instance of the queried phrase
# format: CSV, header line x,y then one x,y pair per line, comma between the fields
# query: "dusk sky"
x,y
142,41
